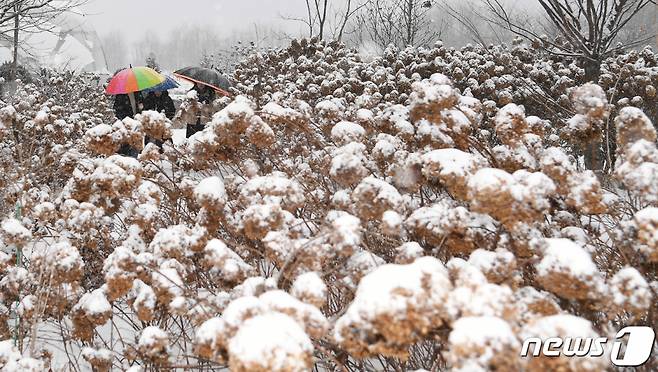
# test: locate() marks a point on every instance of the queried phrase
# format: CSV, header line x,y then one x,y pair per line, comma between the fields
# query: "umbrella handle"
x,y
133,102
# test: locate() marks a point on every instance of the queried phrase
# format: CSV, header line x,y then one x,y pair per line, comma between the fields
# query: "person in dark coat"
x,y
206,95
159,101
123,109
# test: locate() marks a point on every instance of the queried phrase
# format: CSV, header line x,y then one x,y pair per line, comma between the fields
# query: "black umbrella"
x,y
205,76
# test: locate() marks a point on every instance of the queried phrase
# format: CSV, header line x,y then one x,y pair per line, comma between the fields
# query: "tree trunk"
x,y
593,150
14,64
345,20
323,19
592,70
410,14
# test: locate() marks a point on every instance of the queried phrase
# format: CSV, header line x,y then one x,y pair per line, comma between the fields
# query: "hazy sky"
x,y
133,17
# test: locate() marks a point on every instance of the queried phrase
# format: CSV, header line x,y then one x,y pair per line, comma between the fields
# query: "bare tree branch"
x,y
589,28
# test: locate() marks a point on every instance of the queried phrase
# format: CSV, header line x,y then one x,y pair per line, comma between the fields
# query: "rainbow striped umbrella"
x,y
134,79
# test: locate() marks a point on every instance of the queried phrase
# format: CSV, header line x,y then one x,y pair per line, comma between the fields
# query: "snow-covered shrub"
x,y
394,305
265,333
567,270
153,344
426,209
486,342
563,326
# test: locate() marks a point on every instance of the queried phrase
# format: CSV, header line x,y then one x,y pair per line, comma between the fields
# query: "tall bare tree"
x,y
29,16
399,22
470,26
588,29
329,19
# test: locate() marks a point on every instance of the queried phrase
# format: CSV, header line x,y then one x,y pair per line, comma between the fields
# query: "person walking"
x,y
127,106
126,85
122,107
206,95
159,101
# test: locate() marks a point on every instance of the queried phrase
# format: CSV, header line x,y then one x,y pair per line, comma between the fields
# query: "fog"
x,y
134,18
175,33
180,33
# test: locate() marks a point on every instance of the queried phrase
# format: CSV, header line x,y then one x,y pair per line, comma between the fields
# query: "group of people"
x,y
126,105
